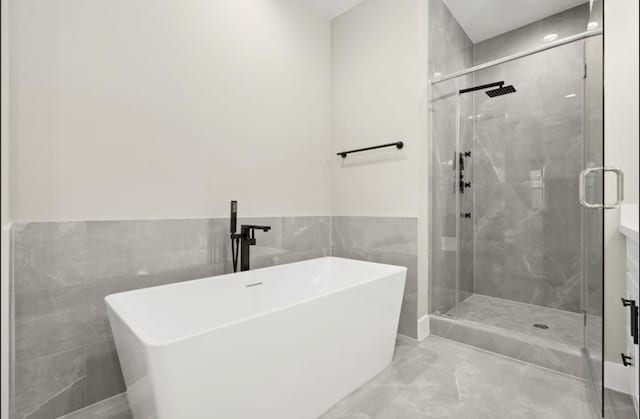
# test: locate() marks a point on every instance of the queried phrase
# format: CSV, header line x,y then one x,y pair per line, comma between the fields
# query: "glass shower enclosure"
x,y
512,248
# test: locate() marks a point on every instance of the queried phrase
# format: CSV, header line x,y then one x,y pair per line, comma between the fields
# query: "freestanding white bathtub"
x,y
285,342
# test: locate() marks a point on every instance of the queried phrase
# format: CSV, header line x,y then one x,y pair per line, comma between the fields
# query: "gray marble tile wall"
x,y
391,240
450,49
523,240
63,352
528,152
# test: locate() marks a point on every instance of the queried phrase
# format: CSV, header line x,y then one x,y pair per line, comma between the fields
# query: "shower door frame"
x,y
596,387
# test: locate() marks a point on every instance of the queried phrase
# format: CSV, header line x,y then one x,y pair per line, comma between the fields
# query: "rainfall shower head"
x,y
497,89
502,90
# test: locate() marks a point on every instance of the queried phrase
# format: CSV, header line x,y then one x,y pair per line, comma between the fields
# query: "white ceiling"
x,y
333,8
484,19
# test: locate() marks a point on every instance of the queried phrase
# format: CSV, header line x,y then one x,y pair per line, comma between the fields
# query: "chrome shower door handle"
x,y
619,187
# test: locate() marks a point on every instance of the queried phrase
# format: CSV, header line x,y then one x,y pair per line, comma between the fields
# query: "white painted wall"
x,y
5,218
621,149
376,99
168,109
378,95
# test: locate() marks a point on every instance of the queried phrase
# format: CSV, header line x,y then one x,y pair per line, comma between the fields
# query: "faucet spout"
x,y
255,227
248,239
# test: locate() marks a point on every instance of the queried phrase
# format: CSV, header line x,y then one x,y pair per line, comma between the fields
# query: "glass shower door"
x,y
529,257
520,147
513,249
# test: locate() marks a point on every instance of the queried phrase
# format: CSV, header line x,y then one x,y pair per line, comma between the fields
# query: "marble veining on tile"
x,y
438,378
525,166
64,354
521,241
391,240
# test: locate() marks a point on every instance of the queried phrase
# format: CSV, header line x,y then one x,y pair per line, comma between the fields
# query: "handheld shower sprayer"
x,y
235,238
234,217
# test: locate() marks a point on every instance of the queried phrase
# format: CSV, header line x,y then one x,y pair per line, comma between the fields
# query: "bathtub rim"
x,y
116,308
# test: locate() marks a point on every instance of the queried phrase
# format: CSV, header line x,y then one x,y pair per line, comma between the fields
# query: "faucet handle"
x,y
251,227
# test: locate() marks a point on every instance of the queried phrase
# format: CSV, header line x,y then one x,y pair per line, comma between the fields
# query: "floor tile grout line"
x,y
54,396
93,405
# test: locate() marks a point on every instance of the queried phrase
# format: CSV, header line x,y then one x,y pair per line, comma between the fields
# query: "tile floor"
x,y
115,407
438,378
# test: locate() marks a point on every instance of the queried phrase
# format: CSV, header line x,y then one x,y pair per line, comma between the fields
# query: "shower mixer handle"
x,y
464,185
459,168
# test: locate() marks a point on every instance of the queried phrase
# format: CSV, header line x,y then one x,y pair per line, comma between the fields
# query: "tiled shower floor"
x,y
564,326
438,378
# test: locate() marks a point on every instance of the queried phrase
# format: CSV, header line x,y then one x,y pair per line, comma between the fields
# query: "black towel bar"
x,y
398,144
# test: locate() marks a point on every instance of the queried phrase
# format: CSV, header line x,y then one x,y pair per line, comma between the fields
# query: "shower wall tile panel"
x,y
450,49
63,348
528,154
391,240
523,240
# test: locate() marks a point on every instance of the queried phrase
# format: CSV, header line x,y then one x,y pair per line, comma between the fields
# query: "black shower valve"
x,y
465,215
464,185
467,154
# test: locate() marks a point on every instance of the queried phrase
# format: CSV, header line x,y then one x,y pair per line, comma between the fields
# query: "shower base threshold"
x,y
507,328
561,326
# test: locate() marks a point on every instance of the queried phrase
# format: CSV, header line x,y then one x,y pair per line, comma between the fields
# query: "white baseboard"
x,y
423,328
616,377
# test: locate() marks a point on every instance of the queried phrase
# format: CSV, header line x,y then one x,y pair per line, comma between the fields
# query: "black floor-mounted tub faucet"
x,y
241,243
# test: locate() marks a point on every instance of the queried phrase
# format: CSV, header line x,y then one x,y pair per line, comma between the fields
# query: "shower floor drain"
x,y
541,326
